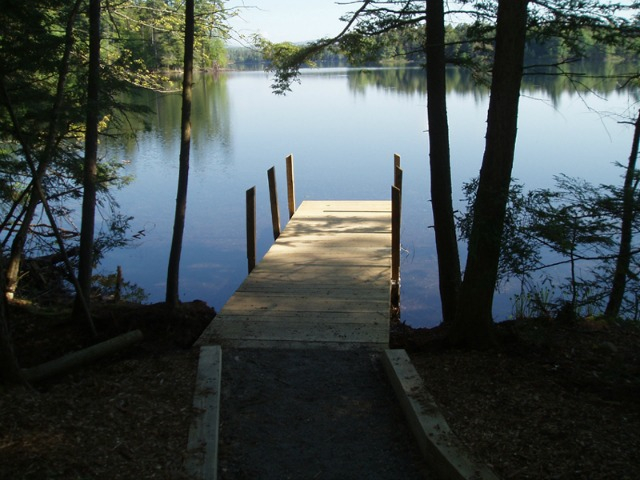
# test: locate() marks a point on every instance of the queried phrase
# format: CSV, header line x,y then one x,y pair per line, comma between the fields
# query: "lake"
x,y
343,127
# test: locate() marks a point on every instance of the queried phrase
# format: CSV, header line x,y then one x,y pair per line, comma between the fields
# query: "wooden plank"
x,y
372,318
363,239
324,277
298,332
305,344
442,449
201,460
328,256
302,303
333,226
328,249
346,206
304,289
321,272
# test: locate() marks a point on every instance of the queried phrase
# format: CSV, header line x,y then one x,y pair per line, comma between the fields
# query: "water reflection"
x,y
552,82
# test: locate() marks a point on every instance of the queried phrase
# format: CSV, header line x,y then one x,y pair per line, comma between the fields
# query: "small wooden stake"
x,y
291,193
251,228
273,196
118,289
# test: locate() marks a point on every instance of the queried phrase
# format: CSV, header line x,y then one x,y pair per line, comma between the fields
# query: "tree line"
x,y
152,32
405,46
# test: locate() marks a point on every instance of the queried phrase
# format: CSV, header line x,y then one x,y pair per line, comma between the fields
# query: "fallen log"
x,y
81,357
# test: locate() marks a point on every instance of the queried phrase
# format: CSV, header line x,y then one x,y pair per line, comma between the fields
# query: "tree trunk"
x,y
173,273
9,369
440,162
85,265
82,357
473,325
19,241
626,230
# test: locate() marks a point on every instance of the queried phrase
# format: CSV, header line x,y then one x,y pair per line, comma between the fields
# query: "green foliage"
x,y
575,225
244,56
534,302
105,286
568,219
152,33
519,256
285,59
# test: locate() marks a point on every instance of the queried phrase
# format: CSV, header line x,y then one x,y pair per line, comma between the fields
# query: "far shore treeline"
x,y
406,47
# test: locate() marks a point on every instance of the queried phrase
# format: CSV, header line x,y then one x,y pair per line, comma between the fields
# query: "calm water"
x,y
343,128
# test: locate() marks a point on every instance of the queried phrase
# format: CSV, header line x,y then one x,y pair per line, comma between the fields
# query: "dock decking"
x,y
324,283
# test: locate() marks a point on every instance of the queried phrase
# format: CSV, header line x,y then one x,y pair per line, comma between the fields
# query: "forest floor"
x,y
555,401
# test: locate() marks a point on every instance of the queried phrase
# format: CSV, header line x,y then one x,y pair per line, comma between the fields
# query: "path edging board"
x,y
443,451
201,460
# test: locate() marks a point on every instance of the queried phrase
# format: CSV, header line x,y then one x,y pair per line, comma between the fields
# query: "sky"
x,y
289,20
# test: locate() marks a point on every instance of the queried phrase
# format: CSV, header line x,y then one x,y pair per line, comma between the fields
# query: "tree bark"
x,y
9,369
85,265
440,162
173,273
473,325
626,230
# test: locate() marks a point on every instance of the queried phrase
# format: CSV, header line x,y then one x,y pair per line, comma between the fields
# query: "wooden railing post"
x,y
291,193
396,216
397,178
397,174
273,196
395,234
251,228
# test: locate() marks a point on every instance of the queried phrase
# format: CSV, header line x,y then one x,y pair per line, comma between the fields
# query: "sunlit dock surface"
x,y
325,282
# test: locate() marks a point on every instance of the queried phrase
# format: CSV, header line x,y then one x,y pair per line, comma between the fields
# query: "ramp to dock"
x,y
324,283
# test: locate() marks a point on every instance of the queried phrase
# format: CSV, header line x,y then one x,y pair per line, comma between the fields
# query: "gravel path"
x,y
317,414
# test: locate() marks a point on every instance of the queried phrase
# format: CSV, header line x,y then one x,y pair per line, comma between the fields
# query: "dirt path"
x,y
319,414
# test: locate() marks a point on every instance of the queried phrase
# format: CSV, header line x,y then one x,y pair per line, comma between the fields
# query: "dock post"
x,y
397,178
397,182
273,196
291,193
251,228
396,215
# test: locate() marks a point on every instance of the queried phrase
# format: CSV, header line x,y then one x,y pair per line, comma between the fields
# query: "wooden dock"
x,y
324,283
